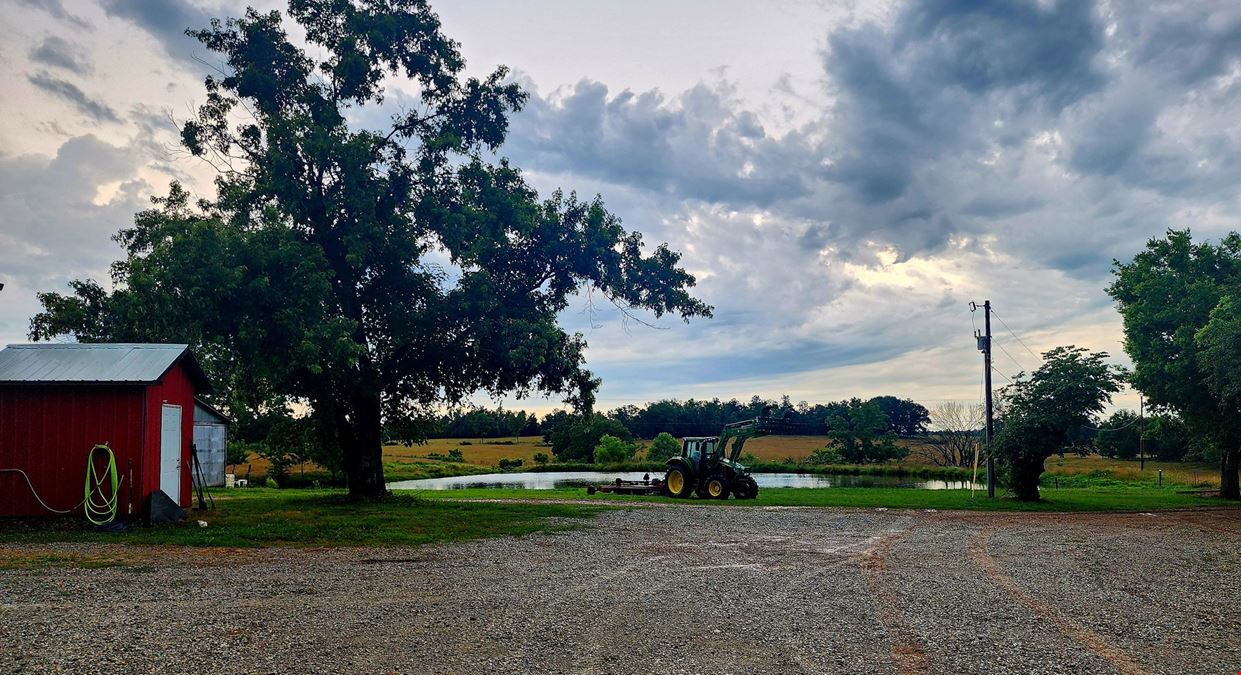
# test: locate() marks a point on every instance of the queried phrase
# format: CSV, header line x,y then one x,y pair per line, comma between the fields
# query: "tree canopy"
x,y
371,274
1176,298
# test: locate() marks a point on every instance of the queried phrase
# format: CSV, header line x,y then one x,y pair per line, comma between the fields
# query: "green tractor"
x,y
708,464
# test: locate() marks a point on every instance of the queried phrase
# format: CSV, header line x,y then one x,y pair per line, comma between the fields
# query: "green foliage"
x,y
822,456
904,417
694,417
290,442
1044,412
315,273
238,452
507,464
663,447
612,450
859,434
541,458
483,423
271,483
1176,299
1118,435
453,455
575,439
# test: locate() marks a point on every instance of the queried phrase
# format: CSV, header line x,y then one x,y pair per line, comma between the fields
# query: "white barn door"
x,y
170,452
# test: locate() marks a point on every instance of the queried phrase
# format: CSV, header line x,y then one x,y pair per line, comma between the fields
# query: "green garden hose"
x,y
100,508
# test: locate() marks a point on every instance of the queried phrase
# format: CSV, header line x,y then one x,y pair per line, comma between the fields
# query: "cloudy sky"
x,y
842,177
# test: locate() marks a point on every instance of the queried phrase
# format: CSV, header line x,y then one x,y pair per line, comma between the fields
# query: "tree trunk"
x,y
1230,463
363,448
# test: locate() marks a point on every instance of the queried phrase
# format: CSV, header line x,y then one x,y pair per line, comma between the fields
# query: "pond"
x,y
548,480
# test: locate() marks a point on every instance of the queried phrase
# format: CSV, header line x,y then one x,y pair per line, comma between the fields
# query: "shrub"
x,y
455,455
506,463
612,450
541,458
663,448
271,483
825,456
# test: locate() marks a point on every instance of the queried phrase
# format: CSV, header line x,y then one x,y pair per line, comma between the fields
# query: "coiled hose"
x,y
100,508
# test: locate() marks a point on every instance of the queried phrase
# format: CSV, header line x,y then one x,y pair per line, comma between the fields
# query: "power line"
x,y
1010,332
997,371
1021,367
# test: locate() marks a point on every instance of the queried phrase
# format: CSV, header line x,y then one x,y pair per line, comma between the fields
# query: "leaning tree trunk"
x,y
363,448
1230,463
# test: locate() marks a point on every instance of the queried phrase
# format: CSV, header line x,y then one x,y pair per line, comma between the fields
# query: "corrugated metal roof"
x,y
89,363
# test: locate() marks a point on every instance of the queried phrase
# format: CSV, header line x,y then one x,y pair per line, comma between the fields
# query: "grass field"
x,y
261,517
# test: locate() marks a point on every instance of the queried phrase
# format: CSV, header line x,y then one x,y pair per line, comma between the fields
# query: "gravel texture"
x,y
670,590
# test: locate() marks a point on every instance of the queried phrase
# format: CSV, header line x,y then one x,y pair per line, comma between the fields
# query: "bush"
x,y
825,456
612,450
663,448
455,455
271,483
541,458
506,463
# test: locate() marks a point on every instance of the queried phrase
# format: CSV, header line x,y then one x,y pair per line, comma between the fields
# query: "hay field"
x,y
482,451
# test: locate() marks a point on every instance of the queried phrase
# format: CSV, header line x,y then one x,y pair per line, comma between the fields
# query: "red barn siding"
x,y
48,431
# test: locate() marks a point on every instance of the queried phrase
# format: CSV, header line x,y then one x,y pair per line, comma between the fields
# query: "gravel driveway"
x,y
675,589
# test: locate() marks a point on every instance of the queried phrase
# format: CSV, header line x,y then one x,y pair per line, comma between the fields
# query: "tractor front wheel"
x,y
717,487
746,488
678,482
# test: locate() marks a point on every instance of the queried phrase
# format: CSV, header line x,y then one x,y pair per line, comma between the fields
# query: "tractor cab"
x,y
700,451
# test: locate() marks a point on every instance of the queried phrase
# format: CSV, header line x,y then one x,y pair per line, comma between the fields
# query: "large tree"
x,y
1174,298
1045,411
371,274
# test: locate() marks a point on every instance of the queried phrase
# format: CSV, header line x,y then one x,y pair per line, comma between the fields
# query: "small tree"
x,y
612,450
859,435
957,433
663,448
574,440
1044,412
541,458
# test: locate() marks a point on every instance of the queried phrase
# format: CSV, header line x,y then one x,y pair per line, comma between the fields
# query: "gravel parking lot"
x,y
670,589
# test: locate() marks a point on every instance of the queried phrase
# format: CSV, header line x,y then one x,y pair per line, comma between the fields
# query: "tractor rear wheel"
x,y
678,482
716,487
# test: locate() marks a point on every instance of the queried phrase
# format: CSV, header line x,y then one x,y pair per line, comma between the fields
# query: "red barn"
x,y
57,401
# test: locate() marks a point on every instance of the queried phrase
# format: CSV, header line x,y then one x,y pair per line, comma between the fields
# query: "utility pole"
x,y
984,346
1141,440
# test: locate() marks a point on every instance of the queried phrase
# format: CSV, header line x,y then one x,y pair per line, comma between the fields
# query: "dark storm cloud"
x,y
56,9
69,92
699,145
60,53
1046,48
166,21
